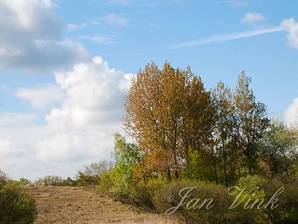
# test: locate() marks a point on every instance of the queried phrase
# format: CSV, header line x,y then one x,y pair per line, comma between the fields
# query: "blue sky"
x,y
49,65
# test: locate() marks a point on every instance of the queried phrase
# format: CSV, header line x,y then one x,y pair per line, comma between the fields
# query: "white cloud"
x,y
16,119
73,26
291,114
78,131
253,17
43,97
99,39
109,19
291,26
115,20
31,37
120,2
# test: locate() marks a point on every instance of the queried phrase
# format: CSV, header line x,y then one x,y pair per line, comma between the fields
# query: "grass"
x,y
77,205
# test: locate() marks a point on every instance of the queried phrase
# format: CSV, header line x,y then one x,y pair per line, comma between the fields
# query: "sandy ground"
x,y
75,205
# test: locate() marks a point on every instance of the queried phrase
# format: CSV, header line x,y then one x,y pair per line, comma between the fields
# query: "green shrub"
x,y
284,211
50,181
3,178
118,184
115,183
24,181
167,198
90,174
287,210
118,179
56,181
16,206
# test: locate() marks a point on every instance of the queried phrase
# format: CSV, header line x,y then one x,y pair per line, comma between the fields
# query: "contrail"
x,y
227,37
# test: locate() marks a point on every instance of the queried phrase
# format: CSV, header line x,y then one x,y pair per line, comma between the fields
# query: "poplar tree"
x,y
168,111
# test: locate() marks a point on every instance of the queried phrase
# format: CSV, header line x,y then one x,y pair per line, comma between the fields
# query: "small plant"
x,y
16,205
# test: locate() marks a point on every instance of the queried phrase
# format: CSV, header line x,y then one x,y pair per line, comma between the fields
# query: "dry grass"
x,y
75,205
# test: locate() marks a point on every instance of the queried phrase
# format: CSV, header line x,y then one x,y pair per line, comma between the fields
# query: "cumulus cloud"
x,y
16,119
42,97
291,26
31,37
74,133
253,17
291,114
89,115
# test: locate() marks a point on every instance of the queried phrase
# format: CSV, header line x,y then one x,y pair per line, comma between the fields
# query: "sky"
x,y
66,65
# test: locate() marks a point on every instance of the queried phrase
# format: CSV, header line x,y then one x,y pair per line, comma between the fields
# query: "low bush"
x,y
16,205
287,210
256,189
90,174
119,186
198,202
24,181
50,180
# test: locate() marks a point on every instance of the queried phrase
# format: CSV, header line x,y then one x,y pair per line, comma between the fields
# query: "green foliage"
x,y
3,178
279,149
287,211
24,181
50,181
198,167
260,190
167,198
90,175
118,179
251,122
16,206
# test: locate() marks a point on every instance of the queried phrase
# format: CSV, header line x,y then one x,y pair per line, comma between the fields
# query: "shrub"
x,y
16,206
118,184
287,210
90,174
24,181
118,179
115,183
50,180
168,197
3,178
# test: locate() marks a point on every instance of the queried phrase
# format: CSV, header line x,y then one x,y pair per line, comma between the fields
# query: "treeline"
x,y
182,129
185,135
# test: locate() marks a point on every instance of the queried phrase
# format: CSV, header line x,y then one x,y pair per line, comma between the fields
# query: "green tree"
x,y
118,179
279,148
224,137
252,121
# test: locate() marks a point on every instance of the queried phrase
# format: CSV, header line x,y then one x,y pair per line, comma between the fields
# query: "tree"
x,y
118,179
224,137
168,111
251,121
279,148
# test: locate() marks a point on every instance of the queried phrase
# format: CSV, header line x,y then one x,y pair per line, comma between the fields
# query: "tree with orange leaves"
x,y
168,111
